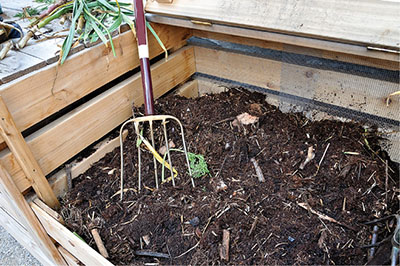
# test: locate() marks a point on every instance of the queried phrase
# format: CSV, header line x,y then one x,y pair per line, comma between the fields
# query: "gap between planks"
x,y
62,139
55,87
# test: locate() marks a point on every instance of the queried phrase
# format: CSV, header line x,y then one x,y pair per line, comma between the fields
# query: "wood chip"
x,y
146,239
99,243
259,172
224,248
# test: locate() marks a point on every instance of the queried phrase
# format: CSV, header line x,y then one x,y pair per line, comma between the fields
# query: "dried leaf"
x,y
163,149
245,119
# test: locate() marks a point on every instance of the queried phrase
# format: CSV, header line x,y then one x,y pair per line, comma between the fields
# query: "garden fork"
x,y
150,117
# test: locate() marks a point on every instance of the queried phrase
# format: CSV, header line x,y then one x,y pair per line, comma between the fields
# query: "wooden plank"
x,y
62,139
280,38
27,219
188,89
321,52
362,94
71,260
58,181
17,231
370,22
24,157
68,240
54,87
49,210
243,68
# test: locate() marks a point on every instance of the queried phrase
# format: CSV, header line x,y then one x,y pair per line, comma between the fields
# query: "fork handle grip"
x,y
143,49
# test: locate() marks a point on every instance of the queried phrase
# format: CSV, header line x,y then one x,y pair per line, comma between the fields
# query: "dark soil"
x,y
265,221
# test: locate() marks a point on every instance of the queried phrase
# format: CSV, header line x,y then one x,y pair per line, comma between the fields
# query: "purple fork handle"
x,y
141,35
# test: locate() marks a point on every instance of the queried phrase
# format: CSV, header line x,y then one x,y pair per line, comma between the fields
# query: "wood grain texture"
x,y
18,232
62,139
329,46
24,157
69,259
54,87
29,227
357,93
370,22
188,89
68,240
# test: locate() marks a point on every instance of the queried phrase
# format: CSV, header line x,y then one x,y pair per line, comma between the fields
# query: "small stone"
x,y
195,221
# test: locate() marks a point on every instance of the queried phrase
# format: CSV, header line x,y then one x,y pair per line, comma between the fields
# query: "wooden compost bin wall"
x,y
53,88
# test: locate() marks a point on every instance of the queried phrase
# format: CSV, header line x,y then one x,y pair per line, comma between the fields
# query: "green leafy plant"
x,y
91,20
29,12
198,165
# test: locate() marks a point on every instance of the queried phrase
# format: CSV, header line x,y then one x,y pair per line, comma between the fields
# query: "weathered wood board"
x,y
20,221
344,49
372,22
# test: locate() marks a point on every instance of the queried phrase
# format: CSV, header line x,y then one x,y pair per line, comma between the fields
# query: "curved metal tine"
x,y
184,147
154,158
121,144
168,153
186,153
139,157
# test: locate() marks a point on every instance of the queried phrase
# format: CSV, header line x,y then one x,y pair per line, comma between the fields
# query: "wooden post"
x,y
25,216
25,158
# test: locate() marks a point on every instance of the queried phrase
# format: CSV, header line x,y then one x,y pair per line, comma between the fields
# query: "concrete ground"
x,y
12,253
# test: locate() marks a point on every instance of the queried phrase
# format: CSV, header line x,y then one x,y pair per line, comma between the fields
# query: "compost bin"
x,y
297,184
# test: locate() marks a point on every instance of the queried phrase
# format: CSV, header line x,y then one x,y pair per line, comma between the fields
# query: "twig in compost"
x,y
187,251
204,230
68,168
310,156
386,181
253,225
222,166
259,172
224,248
323,216
99,243
152,254
322,158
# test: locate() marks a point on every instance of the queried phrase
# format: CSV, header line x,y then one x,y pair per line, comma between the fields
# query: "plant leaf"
x,y
66,47
157,38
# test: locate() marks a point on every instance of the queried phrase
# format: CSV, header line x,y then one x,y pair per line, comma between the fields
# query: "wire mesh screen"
x,y
311,81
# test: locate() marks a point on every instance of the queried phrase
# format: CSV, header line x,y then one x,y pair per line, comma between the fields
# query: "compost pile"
x,y
280,221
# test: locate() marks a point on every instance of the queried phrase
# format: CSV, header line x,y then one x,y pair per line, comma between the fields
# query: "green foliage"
x,y
101,18
198,165
29,12
47,2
